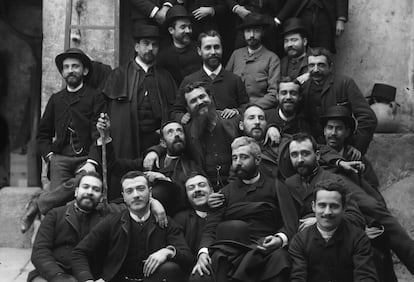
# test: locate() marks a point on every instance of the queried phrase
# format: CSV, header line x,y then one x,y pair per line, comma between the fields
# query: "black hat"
x,y
145,31
74,53
295,25
383,92
253,20
169,194
174,13
341,113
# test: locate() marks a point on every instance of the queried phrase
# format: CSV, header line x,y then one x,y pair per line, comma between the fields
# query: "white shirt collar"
x,y
76,89
326,234
251,51
253,180
285,118
143,65
201,214
138,219
209,72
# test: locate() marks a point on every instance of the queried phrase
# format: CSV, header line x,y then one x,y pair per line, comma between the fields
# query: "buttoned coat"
x,y
259,71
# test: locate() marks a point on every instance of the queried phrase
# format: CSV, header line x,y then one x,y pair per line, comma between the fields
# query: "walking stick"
x,y
104,171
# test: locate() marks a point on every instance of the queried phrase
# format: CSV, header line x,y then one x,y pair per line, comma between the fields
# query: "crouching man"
x,y
131,246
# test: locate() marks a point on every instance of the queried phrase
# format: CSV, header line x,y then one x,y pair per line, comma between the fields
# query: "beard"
x,y
245,173
305,170
203,120
73,80
177,147
294,52
184,39
253,43
86,203
213,61
257,133
288,107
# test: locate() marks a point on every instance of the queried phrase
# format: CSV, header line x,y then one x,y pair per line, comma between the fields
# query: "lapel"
x,y
70,217
220,76
297,191
69,100
328,84
151,228
204,77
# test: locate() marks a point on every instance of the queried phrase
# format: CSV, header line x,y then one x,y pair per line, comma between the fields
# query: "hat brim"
x,y
169,21
87,63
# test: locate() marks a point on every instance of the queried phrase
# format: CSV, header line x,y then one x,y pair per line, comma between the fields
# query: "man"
x,y
70,115
333,249
140,96
149,12
130,245
227,88
254,199
258,67
193,219
325,89
304,156
181,57
63,228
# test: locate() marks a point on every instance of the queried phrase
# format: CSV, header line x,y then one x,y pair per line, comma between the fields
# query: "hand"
x,y
49,158
155,260
159,213
353,153
203,264
160,15
242,12
303,78
87,167
203,12
306,222
354,166
186,118
215,200
374,232
340,27
272,135
228,113
150,159
103,125
272,242
152,176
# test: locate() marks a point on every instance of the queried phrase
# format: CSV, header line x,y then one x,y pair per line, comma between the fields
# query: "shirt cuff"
x,y
235,8
284,238
95,163
168,4
154,12
202,251
341,19
107,140
173,249
277,21
48,155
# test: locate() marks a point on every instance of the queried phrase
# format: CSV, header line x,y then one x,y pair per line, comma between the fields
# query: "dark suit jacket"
x,y
83,110
227,90
141,10
342,90
111,238
334,9
345,257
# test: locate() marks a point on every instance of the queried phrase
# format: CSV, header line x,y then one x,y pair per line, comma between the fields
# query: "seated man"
x,y
333,249
129,245
265,206
192,220
63,228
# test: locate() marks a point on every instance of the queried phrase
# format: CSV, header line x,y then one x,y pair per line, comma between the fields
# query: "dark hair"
x,y
251,105
90,173
299,31
193,174
286,79
133,174
194,85
303,136
164,124
210,33
332,184
321,51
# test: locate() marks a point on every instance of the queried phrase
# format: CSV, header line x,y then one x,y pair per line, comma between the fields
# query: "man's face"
x,y
318,67
254,123
198,101
136,193
89,192
211,51
328,209
253,37
295,45
244,164
198,189
303,157
335,132
181,31
147,49
73,72
174,138
288,97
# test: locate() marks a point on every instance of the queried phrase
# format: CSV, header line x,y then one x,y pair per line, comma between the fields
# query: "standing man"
x,y
333,249
227,88
180,58
130,244
70,115
258,67
140,96
325,89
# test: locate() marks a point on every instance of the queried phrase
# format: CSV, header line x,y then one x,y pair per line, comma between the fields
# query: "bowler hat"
x,y
145,31
74,53
253,20
174,13
383,93
295,25
341,113
234,233
169,194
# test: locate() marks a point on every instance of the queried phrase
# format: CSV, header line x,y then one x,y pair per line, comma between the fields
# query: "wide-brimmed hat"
x,y
174,13
74,53
234,233
253,20
383,92
145,31
293,25
341,113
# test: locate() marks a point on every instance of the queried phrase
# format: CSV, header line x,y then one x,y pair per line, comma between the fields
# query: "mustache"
x,y
198,194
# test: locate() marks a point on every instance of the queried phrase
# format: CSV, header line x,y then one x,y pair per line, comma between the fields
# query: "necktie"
x,y
213,76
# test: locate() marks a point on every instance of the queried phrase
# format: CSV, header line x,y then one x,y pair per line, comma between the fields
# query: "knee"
x,y
168,271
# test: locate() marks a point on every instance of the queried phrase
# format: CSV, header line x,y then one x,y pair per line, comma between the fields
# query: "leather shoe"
x,y
29,216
